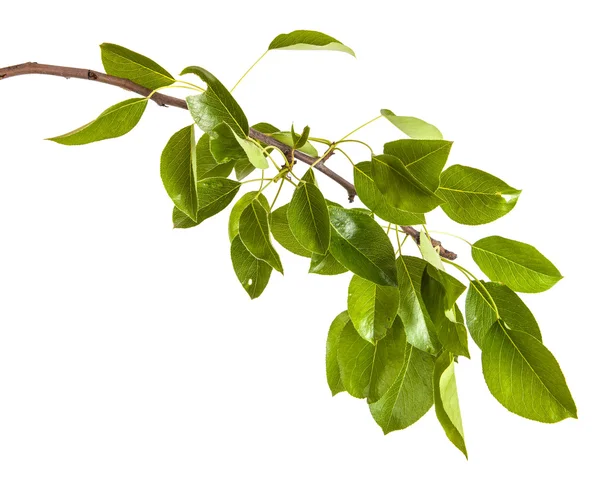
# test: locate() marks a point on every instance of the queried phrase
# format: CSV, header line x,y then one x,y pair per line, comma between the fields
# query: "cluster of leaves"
x,y
398,340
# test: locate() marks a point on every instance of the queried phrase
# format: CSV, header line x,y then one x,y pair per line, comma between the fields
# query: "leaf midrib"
x,y
513,262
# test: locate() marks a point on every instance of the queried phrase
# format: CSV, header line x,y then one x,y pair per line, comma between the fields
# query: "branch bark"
x,y
33,68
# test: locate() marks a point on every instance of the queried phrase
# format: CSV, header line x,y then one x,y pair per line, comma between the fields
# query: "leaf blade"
x,y
308,218
252,272
413,127
308,40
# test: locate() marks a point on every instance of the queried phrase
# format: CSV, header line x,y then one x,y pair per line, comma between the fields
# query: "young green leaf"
x,y
524,376
233,227
445,394
325,264
253,152
518,265
420,331
206,164
369,370
482,300
412,126
252,272
178,171
332,367
371,307
254,232
411,395
286,138
399,187
280,228
424,159
370,195
308,218
359,244
300,140
308,40
214,194
474,197
113,122
428,252
122,62
215,106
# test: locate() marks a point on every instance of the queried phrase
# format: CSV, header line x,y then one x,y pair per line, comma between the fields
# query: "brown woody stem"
x,y
32,68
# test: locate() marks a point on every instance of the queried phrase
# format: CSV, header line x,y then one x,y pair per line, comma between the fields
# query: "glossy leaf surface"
x,y
326,264
254,232
308,218
214,194
113,122
206,164
282,233
233,226
252,272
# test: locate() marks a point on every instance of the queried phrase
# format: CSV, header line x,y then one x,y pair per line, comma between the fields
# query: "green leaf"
x,y
411,309
370,195
266,128
325,264
412,126
280,228
122,62
178,171
524,376
309,219
300,140
215,106
445,315
113,122
474,197
411,395
518,265
254,232
286,138
254,153
308,40
181,220
428,252
243,168
224,146
214,194
233,227
481,314
252,272
447,408
424,159
371,307
206,164
332,367
399,187
369,370
359,244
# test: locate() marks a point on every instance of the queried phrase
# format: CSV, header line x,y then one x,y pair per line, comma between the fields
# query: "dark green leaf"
x,y
181,220
444,314
283,234
233,227
254,232
524,376
399,187
122,62
412,126
411,395
308,40
370,195
359,244
325,264
334,378
309,219
420,331
447,408
369,370
371,307
206,164
224,145
252,272
113,122
214,194
178,171
474,197
518,265
481,314
424,159
215,106
243,168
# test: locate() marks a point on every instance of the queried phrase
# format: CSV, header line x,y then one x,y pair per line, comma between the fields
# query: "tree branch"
x,y
32,68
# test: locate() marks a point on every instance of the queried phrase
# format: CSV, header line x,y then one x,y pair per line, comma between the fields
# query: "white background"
x,y
129,350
